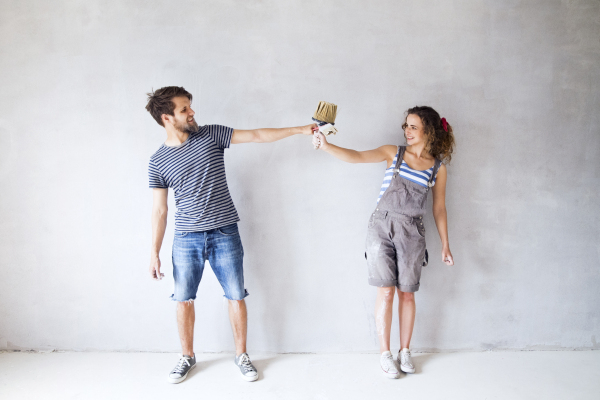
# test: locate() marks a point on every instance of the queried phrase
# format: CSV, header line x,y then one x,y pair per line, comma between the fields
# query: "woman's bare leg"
x,y
383,316
406,316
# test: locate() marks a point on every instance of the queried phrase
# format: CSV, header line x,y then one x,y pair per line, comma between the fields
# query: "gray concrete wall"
x,y
518,80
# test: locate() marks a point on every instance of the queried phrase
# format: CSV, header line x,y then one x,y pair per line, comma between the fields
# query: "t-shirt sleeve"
x,y
155,177
221,135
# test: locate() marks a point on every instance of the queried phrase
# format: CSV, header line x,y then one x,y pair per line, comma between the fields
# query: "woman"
x,y
396,235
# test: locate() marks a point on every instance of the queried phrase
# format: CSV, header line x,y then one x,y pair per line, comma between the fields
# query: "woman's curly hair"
x,y
439,142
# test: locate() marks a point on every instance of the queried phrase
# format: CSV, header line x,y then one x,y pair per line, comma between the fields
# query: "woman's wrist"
x,y
326,147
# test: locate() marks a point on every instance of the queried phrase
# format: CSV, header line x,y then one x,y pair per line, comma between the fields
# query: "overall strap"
x,y
399,158
436,167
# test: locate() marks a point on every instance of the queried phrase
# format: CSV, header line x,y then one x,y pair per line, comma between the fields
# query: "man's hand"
x,y
309,129
155,268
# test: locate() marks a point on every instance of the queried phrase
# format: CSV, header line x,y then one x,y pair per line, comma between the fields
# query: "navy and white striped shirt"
x,y
416,176
387,178
195,170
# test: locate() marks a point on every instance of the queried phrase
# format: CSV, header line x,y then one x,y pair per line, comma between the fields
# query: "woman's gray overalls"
x,y
396,249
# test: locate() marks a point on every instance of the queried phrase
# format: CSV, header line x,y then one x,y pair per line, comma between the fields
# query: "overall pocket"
x,y
416,198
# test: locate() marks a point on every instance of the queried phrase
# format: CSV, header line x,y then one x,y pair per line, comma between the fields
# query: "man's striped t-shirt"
x,y
195,170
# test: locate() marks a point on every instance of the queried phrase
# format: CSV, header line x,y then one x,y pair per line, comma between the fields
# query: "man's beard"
x,y
187,127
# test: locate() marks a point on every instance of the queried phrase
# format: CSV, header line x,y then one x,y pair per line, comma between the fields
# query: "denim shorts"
x,y
222,247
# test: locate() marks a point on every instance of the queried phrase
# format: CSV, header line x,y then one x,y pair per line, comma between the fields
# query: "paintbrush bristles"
x,y
326,112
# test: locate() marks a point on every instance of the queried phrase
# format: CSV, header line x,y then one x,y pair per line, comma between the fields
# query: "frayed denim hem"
x,y
246,294
182,301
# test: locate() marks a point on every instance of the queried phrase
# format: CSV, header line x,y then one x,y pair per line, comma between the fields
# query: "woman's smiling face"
x,y
413,130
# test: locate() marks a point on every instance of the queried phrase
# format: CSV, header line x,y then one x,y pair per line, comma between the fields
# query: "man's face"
x,y
183,118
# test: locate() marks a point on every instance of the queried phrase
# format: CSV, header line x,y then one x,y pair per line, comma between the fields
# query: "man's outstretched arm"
x,y
266,135
159,225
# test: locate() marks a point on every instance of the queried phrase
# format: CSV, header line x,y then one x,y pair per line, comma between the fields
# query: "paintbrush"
x,y
325,118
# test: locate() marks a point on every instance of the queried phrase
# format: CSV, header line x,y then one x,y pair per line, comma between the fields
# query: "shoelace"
x,y
388,362
405,358
179,368
245,362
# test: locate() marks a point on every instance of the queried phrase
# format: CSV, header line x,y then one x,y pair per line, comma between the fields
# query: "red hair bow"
x,y
445,124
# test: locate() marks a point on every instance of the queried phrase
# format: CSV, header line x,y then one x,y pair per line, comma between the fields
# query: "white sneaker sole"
x,y
407,370
250,378
179,380
390,375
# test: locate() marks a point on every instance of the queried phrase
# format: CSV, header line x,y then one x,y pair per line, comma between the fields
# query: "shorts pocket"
x,y
371,221
228,230
180,234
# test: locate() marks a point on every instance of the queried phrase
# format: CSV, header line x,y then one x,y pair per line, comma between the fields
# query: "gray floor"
x,y
489,375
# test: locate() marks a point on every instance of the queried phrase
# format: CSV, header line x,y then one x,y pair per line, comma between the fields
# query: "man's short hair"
x,y
160,101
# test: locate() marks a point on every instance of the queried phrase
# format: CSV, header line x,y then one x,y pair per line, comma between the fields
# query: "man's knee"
x,y
236,294
237,303
185,310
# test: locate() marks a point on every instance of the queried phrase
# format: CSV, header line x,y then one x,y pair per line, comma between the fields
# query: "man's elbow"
x,y
257,137
160,212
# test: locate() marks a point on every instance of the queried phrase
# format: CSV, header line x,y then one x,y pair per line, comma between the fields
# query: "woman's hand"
x,y
319,141
447,257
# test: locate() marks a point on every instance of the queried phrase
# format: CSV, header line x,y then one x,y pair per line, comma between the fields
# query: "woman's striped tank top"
x,y
416,176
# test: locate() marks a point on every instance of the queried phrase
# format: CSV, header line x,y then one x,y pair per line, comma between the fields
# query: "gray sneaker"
x,y
185,365
248,371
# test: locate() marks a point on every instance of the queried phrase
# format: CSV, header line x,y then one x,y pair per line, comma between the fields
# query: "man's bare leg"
x,y
238,317
186,316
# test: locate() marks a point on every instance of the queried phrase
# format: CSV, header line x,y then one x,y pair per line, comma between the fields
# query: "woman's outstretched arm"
x,y
440,215
383,153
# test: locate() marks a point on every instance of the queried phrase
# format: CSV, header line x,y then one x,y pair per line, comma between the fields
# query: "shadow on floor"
x,y
263,364
421,360
203,365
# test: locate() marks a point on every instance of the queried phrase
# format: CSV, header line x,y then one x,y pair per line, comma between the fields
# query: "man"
x,y
191,163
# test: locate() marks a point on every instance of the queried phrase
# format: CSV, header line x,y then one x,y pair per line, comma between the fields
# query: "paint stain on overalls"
x,y
395,247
